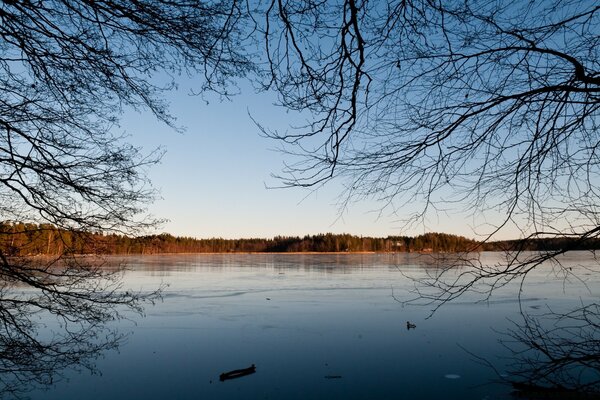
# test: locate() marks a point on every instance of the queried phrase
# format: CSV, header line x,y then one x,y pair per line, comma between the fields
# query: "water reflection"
x,y
56,314
37,362
556,351
302,319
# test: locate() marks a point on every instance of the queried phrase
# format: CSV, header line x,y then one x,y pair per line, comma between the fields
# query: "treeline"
x,y
19,239
543,244
31,239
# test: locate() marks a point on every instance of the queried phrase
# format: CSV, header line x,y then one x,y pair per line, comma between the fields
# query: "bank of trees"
x,y
21,239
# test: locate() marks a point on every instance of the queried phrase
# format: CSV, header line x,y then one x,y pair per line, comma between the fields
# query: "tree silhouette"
x,y
484,107
68,70
479,107
490,106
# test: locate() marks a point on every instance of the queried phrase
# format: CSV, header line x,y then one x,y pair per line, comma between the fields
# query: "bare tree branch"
x,y
68,70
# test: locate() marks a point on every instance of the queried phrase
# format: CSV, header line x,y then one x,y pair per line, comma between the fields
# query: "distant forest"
x,y
21,239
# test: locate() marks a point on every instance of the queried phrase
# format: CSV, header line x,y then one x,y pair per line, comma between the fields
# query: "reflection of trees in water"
x,y
557,351
553,351
55,314
28,362
68,71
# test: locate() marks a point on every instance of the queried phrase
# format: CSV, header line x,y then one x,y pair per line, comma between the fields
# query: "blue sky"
x,y
214,177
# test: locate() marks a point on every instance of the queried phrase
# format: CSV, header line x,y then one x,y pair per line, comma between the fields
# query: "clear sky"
x,y
214,179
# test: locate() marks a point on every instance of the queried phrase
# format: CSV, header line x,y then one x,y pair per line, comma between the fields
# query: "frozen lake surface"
x,y
315,326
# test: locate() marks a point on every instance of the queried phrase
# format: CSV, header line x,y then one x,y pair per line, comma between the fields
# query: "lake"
x,y
316,327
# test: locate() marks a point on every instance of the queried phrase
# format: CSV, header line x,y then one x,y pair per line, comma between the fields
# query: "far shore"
x,y
29,240
265,253
296,253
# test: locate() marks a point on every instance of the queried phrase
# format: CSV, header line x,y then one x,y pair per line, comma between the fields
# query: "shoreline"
x,y
260,253
303,252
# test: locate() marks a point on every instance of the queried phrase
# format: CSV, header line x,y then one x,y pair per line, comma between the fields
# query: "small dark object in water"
x,y
333,376
410,326
268,298
237,373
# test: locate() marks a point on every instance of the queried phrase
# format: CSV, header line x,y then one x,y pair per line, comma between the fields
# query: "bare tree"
x,y
482,107
478,107
490,106
68,70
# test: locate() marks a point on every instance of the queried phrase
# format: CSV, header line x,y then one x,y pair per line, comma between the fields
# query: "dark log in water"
x,y
237,373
